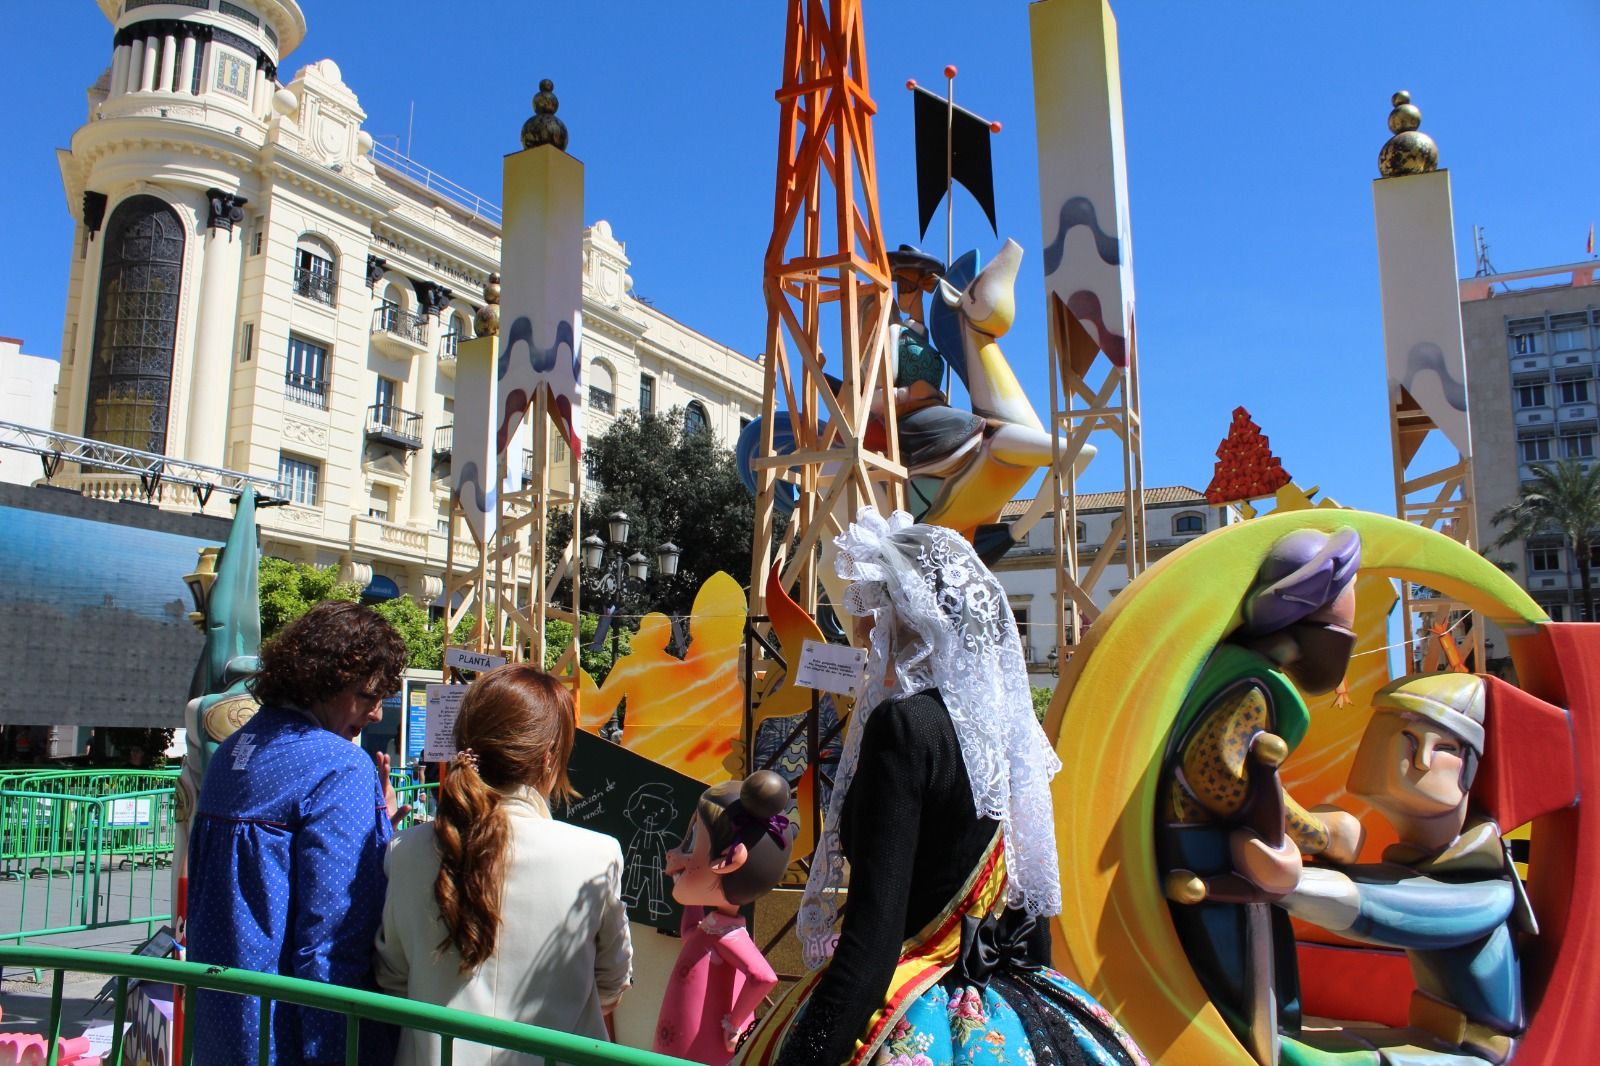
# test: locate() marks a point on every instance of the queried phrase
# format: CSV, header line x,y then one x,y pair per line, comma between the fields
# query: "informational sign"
x,y
830,667
416,719
444,703
477,661
127,813
645,806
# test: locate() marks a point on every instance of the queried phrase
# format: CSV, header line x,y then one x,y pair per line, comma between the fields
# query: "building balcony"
x,y
1534,416
444,439
321,288
602,401
381,539
447,354
312,392
1575,412
388,424
399,333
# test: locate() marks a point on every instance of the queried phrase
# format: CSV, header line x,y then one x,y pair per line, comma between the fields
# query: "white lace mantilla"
x,y
942,619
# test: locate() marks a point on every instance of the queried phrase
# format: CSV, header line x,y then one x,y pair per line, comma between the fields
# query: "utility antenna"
x,y
410,118
1480,245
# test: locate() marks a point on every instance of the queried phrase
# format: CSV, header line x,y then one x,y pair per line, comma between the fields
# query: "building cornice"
x,y
613,322
416,250
326,184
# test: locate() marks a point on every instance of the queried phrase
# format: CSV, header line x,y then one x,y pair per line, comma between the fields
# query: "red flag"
x,y
1589,249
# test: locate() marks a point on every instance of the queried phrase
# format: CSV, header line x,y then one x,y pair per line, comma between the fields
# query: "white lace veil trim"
x,y
945,620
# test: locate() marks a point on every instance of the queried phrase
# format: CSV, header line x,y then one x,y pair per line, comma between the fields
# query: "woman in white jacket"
x,y
494,907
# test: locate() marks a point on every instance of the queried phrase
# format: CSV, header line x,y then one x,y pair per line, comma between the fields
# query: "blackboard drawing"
x,y
652,813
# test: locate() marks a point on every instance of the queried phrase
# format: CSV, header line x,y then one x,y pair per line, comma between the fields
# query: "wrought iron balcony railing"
x,y
389,424
322,288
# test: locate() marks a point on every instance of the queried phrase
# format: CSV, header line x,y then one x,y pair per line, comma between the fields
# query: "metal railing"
x,y
415,172
444,440
403,324
71,863
314,286
601,400
394,425
452,1026
301,388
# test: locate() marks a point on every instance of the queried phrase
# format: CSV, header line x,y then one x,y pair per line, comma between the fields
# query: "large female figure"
x,y
494,907
942,807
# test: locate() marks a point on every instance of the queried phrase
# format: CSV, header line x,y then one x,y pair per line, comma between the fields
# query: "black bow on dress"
x,y
1015,940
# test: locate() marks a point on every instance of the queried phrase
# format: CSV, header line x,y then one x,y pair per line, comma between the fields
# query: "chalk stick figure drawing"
x,y
651,811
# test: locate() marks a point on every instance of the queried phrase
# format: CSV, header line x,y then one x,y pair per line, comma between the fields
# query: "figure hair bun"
x,y
764,794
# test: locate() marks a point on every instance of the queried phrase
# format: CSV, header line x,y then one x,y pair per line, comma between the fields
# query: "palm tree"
x,y
1560,498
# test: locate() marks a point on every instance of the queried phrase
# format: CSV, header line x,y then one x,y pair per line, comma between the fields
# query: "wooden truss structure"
x,y
508,580
826,261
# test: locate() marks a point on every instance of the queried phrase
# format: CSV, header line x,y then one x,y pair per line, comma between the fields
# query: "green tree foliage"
x,y
424,640
1563,500
1041,701
597,661
676,485
289,590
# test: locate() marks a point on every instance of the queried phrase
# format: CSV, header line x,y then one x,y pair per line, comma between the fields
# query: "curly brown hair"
x,y
323,652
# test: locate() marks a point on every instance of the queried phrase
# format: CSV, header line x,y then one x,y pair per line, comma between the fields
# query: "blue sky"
x,y
1252,133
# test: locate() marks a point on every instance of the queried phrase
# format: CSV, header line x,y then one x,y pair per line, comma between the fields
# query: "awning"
x,y
381,588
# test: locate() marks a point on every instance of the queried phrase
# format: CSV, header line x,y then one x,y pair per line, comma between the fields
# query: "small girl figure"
x,y
735,850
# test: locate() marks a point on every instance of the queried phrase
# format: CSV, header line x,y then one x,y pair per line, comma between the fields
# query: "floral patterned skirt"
x,y
1020,1018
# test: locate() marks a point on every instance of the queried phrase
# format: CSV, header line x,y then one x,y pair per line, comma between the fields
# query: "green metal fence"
x,y
70,863
87,782
452,1026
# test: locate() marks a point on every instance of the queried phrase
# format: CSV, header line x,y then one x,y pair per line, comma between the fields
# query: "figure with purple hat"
x,y
1228,835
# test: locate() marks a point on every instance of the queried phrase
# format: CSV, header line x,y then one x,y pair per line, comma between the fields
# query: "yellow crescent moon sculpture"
x,y
1111,716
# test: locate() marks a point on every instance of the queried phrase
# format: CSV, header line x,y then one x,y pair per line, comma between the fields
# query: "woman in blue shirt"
x,y
286,853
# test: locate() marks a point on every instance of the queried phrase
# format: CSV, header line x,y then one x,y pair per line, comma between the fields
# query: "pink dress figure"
x,y
735,850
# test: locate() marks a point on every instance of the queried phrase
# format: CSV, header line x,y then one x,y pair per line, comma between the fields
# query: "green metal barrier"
x,y
90,782
71,863
450,1025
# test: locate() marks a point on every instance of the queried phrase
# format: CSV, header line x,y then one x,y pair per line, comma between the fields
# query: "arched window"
x,y
695,419
458,332
130,373
1187,523
314,273
602,388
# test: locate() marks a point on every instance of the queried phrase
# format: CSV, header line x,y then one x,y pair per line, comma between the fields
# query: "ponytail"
x,y
471,832
514,731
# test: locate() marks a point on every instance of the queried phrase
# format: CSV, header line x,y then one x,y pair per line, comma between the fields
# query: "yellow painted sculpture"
x,y
683,713
1121,695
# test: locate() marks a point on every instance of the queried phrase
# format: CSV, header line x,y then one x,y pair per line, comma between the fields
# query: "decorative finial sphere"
x,y
544,127
486,322
1409,151
950,71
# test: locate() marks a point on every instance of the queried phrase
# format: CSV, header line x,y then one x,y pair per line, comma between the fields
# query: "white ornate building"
x,y
27,387
1174,515
255,285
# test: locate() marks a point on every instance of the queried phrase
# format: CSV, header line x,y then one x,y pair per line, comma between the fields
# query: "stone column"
x,y
152,60
186,64
423,398
214,330
135,65
169,62
119,70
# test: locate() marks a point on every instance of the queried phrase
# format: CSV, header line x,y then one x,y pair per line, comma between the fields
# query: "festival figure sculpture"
x,y
219,699
735,850
1447,893
964,466
1227,834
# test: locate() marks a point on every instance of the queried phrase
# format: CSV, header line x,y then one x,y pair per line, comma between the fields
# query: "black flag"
x,y
970,163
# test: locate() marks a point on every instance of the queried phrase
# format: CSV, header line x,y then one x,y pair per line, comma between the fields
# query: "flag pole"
x,y
949,163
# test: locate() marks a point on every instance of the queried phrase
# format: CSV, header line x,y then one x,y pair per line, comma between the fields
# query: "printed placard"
x,y
477,661
830,667
444,703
